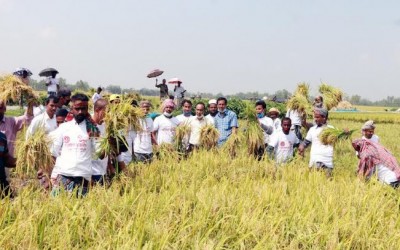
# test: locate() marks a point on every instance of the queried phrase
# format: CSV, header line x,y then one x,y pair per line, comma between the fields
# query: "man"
x,y
52,84
64,97
374,158
297,120
61,115
225,121
283,142
273,113
97,95
368,131
196,123
74,147
164,126
266,124
46,120
5,160
186,112
144,140
321,156
23,74
318,102
163,89
99,166
115,99
179,94
212,108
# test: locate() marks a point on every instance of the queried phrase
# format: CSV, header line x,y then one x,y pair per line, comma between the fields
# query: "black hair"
x,y
222,98
79,97
201,103
53,98
186,101
262,103
62,112
287,119
63,93
99,89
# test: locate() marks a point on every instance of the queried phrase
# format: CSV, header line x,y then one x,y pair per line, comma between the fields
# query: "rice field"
x,y
213,201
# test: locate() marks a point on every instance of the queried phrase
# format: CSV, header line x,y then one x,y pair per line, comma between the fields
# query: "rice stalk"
x,y
254,138
33,154
332,96
231,145
300,103
303,89
181,137
208,136
12,88
330,136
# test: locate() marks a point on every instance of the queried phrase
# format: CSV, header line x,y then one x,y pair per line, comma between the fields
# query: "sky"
x,y
226,46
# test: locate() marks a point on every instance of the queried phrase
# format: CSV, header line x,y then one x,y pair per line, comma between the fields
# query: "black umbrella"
x,y
48,72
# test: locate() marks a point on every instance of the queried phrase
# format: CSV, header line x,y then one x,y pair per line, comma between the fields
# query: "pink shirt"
x,y
10,126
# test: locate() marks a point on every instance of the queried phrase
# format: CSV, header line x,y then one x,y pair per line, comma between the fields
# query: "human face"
x,y
286,126
51,108
3,109
199,110
168,109
101,113
212,108
273,115
187,107
146,108
221,105
60,120
368,133
259,109
80,110
319,119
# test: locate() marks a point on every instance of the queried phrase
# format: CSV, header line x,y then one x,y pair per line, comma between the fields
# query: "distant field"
x,y
373,108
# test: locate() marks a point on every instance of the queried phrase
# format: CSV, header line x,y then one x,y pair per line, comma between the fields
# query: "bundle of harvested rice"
x,y
303,89
208,136
33,154
300,99
166,152
231,145
332,96
12,88
254,138
119,119
330,136
181,137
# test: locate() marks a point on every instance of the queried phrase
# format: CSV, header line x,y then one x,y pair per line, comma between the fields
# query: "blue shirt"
x,y
224,123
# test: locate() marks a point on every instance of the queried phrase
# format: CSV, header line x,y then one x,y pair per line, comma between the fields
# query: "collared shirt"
x,y
195,128
183,119
295,117
178,92
74,150
10,126
99,166
224,123
42,120
53,84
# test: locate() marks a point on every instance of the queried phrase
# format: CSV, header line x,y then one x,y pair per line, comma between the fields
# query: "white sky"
x,y
212,45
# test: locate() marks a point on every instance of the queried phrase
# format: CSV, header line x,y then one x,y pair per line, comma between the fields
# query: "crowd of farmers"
x,y
75,130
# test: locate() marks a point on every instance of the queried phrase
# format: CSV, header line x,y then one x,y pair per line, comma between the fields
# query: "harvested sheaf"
x,y
33,154
12,88
330,136
332,96
303,89
119,119
254,138
208,136
231,145
300,99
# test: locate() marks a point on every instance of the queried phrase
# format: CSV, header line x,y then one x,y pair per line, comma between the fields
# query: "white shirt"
x,y
96,96
374,138
142,143
166,128
283,145
295,117
385,175
38,110
195,127
99,166
74,150
266,121
53,84
182,118
43,120
210,116
178,92
319,152
277,124
126,156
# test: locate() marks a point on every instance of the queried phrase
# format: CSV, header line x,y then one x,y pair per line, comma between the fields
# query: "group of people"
x,y
76,133
178,93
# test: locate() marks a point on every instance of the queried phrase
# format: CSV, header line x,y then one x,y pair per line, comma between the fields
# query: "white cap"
x,y
212,101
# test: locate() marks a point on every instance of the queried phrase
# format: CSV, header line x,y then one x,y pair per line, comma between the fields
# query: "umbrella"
x,y
155,73
48,72
174,80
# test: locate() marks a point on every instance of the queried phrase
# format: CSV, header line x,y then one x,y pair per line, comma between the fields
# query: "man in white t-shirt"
x,y
46,120
321,156
164,126
196,123
179,94
368,131
144,140
52,84
283,142
186,112
97,94
266,124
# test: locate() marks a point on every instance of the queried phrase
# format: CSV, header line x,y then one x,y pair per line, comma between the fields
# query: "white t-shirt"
x,y
53,84
277,124
42,120
38,110
283,145
374,138
195,128
126,156
295,117
166,128
319,152
385,175
99,166
178,92
96,96
142,142
74,150
183,119
266,121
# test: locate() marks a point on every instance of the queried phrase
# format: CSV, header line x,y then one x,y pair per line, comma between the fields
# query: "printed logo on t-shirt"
x,y
66,139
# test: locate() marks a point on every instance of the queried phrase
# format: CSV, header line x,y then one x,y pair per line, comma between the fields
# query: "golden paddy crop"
x,y
213,201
